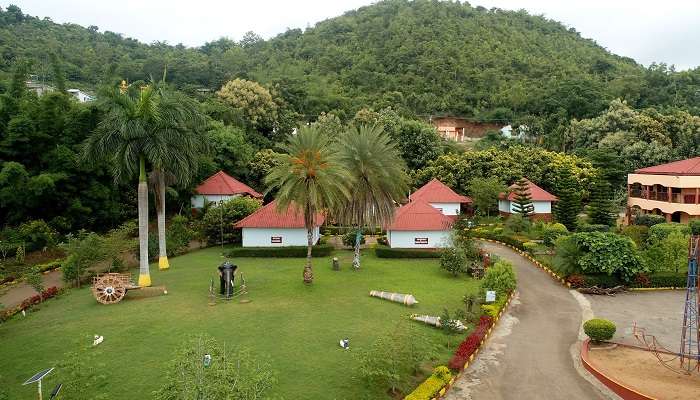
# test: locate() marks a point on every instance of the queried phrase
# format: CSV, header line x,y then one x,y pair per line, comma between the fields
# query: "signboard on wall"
x,y
420,240
276,239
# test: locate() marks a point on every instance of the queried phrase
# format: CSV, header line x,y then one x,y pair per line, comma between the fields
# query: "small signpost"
x,y
37,379
490,296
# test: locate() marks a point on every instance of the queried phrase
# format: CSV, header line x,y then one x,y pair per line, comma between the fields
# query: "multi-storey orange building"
x,y
671,190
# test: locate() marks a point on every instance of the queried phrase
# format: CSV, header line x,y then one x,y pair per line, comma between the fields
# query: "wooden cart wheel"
x,y
108,289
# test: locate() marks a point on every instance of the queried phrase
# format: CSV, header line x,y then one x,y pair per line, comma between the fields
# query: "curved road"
x,y
529,354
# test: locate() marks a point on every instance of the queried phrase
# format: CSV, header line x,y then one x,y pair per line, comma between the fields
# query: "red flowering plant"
x,y
471,343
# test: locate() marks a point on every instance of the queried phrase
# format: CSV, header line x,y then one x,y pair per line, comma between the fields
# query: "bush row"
x,y
518,244
642,280
49,266
431,387
471,343
494,308
321,250
29,302
388,252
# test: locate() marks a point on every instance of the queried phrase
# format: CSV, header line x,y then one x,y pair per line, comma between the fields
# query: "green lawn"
x,y
297,326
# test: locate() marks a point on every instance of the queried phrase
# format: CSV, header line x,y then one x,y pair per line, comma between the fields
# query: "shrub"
x,y
179,234
598,252
430,387
551,232
668,280
694,225
383,241
470,344
517,223
499,277
642,280
602,280
530,246
599,330
84,250
323,250
37,234
388,252
638,233
593,228
232,374
394,356
659,232
233,211
350,237
668,254
493,309
453,260
576,280
648,220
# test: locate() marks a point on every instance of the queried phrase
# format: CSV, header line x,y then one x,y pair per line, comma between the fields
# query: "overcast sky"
x,y
646,30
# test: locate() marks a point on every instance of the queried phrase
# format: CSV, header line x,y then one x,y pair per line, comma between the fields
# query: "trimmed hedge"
x,y
29,302
388,252
661,280
518,244
602,280
471,343
599,330
430,387
321,250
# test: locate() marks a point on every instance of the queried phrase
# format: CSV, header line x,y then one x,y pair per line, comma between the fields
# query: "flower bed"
x,y
471,343
29,302
432,386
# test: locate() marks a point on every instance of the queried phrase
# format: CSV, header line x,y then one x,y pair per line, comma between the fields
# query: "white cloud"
x,y
644,30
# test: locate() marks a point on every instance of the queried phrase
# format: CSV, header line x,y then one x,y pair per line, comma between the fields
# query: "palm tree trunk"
x,y
356,257
308,272
160,209
144,273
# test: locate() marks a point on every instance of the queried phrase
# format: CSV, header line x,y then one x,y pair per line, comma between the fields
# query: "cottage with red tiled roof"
x,y
440,196
671,190
418,225
221,187
542,201
268,227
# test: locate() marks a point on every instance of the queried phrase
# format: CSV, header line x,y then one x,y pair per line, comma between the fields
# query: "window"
x,y
420,241
276,239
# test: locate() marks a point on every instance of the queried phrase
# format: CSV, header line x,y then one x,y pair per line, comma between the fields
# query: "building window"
x,y
276,239
420,240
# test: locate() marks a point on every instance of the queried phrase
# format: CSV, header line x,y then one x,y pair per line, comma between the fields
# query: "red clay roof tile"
x,y
222,183
268,217
536,193
437,192
418,215
690,166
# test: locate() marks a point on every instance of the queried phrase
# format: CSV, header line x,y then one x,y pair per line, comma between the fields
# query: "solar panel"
x,y
38,376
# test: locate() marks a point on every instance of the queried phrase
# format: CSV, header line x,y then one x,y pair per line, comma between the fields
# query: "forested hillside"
x,y
420,57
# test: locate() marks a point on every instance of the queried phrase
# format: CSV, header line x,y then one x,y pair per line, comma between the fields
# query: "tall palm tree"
x,y
309,175
379,179
180,137
137,129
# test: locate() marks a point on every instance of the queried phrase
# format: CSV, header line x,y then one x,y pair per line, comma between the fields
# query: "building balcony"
x,y
682,204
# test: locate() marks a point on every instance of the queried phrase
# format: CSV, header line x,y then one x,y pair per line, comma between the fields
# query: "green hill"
x,y
422,57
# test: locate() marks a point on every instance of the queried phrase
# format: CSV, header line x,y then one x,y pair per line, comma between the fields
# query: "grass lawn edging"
x,y
462,367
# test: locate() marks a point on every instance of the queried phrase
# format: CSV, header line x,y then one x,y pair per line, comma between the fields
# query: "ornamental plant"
x,y
471,343
430,387
453,260
599,330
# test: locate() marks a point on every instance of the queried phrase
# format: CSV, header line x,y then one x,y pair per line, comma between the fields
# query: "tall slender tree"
x,y
523,199
601,208
569,204
378,180
183,145
309,175
138,129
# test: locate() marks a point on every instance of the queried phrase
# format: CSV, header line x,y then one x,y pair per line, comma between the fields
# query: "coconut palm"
x,y
309,176
183,145
379,180
138,129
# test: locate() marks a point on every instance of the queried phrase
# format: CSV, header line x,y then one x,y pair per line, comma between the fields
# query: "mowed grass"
x,y
297,326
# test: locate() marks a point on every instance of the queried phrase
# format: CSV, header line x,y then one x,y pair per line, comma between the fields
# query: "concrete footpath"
x,y
531,354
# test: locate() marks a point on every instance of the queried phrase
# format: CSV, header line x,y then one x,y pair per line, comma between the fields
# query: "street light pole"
x,y
221,225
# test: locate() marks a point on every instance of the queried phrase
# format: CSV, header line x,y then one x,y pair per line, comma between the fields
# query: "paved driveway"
x,y
529,355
